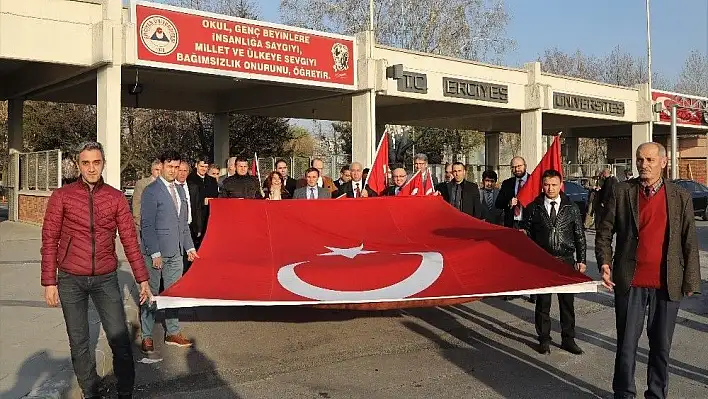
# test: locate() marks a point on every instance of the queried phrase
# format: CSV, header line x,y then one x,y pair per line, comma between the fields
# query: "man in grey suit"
x,y
488,197
312,190
165,237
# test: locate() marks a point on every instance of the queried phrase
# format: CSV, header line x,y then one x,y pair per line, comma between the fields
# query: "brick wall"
x,y
697,169
31,208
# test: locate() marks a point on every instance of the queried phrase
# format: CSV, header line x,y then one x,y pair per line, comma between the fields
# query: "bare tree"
x,y
694,75
470,29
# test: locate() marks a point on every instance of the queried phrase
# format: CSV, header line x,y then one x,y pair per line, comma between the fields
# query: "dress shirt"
x,y
189,202
361,187
312,192
516,193
547,204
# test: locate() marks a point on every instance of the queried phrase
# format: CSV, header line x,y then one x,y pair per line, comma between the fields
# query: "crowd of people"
x,y
654,263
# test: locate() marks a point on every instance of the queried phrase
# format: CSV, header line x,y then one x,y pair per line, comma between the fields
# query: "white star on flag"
x,y
350,253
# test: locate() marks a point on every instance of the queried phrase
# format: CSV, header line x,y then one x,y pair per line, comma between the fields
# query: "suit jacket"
x,y
683,270
199,189
327,184
348,189
470,198
137,196
164,231
389,191
301,193
507,191
492,215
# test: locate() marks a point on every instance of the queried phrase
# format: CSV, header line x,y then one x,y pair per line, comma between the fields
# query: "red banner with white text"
x,y
395,252
183,39
691,110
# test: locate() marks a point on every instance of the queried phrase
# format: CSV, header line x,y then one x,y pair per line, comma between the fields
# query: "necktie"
x,y
312,193
517,207
357,191
457,202
489,199
554,215
173,191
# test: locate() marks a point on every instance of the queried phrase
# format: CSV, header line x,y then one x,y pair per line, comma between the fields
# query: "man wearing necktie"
x,y
553,222
356,187
311,191
506,200
462,194
399,180
489,193
165,238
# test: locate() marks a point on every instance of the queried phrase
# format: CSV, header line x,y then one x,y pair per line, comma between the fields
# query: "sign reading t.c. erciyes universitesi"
x,y
189,40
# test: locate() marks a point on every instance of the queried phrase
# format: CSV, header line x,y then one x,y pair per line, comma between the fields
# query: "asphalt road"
x,y
483,349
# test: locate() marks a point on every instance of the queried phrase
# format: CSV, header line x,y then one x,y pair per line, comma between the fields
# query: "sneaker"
x,y
178,340
147,346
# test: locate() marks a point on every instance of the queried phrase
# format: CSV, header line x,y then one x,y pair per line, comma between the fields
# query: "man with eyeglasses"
x,y
506,200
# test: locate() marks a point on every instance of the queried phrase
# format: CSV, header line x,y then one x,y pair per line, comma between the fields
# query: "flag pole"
x,y
378,148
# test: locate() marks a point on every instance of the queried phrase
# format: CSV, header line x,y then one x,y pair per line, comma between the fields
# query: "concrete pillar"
x,y
222,144
363,127
641,133
108,97
15,112
491,149
571,149
532,147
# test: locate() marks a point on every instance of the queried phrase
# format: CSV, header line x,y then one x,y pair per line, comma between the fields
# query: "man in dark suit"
x,y
311,191
202,187
603,195
289,183
656,264
462,194
355,188
440,187
399,180
344,176
506,200
489,195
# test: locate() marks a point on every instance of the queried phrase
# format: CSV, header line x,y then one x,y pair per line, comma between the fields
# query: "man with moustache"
x,y
79,262
462,194
155,170
355,188
202,188
289,183
489,195
655,264
506,200
448,177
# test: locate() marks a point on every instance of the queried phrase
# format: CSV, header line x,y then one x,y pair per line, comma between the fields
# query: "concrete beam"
x,y
641,133
491,149
246,100
39,79
532,137
222,144
363,127
15,113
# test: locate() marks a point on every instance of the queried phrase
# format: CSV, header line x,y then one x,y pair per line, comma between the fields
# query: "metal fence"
x,y
298,165
40,171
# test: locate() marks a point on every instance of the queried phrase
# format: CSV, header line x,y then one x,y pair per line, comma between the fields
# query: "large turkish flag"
x,y
387,252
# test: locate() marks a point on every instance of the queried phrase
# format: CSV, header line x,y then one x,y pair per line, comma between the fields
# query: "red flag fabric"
x,y
254,167
534,184
412,186
423,252
377,179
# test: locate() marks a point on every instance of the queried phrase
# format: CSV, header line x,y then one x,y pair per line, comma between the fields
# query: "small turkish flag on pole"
x,y
378,176
254,167
534,184
413,186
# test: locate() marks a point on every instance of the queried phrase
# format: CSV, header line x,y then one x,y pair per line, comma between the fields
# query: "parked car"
x,y
699,193
577,194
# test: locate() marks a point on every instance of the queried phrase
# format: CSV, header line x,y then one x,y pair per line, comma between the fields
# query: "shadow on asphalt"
x,y
285,314
676,367
38,366
511,373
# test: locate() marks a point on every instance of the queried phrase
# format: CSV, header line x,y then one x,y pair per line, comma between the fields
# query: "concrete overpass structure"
x,y
98,52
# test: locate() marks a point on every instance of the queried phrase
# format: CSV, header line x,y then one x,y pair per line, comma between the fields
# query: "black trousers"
x,y
543,316
630,310
74,293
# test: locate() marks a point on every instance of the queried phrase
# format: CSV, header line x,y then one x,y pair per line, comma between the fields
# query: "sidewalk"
x,y
34,346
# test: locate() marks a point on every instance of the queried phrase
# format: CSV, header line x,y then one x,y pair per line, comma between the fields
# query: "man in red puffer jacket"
x,y
78,239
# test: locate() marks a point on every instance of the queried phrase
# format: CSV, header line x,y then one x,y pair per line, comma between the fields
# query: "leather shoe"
x,y
570,346
147,346
544,348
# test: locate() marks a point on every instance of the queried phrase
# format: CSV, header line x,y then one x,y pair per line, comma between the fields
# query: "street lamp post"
x,y
651,121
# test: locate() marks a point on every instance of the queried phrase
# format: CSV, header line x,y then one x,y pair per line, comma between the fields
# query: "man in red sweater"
x,y
78,239
655,264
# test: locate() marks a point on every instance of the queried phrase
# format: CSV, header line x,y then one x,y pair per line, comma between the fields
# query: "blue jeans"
x,y
171,272
74,292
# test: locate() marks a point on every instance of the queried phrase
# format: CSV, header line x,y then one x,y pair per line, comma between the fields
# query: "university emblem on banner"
x,y
159,35
340,57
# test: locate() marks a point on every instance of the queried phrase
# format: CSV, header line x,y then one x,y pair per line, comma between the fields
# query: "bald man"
x,y
355,188
323,181
400,176
506,200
